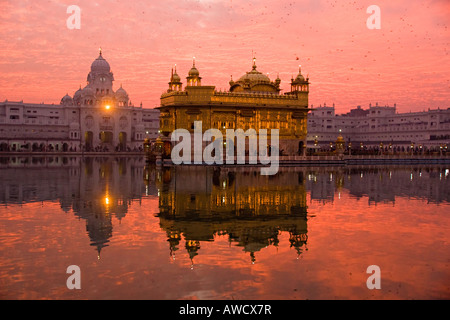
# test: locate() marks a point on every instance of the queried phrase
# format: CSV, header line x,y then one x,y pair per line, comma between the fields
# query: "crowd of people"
x,y
383,150
4,147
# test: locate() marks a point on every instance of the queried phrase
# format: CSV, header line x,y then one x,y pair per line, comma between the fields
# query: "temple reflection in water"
x,y
199,204
95,189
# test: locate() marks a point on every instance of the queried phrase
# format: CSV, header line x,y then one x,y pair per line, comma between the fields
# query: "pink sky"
x,y
405,62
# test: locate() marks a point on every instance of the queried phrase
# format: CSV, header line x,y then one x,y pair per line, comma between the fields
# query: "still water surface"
x,y
138,232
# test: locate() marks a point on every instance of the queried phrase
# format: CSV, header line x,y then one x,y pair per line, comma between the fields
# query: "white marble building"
x,y
379,124
95,118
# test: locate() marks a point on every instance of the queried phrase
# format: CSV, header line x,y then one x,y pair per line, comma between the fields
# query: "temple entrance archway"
x,y
122,141
106,137
89,140
4,146
301,144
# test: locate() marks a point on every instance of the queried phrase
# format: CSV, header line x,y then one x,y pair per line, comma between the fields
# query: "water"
x,y
139,232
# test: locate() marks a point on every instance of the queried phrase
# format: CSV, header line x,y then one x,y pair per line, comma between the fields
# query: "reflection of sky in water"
x,y
197,232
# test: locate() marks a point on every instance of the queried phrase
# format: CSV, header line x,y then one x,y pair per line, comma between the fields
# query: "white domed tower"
x,y
122,97
100,79
88,96
77,97
67,100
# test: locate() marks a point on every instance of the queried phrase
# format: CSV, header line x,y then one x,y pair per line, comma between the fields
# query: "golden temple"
x,y
253,101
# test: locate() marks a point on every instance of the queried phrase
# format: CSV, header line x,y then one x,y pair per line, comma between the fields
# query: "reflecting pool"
x,y
203,232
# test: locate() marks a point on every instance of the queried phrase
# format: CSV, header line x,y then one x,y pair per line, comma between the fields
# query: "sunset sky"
x,y
406,62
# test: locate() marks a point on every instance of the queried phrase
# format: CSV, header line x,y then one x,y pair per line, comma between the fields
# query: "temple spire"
x,y
254,60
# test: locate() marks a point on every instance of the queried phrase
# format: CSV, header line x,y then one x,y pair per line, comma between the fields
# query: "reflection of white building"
x,y
95,117
379,124
93,189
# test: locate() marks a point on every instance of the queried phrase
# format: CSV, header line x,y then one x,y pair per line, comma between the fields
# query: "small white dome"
x,y
67,100
77,94
121,93
87,92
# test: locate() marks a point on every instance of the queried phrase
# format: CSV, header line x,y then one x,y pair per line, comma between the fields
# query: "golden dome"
x,y
175,77
300,78
255,81
194,72
254,75
340,139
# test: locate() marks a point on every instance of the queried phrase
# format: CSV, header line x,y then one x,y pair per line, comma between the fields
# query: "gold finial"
x,y
254,60
100,51
193,64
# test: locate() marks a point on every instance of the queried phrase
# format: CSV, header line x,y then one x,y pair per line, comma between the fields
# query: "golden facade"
x,y
253,101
